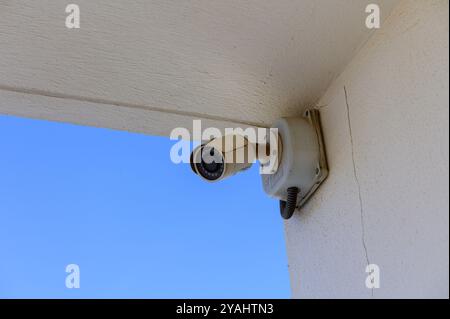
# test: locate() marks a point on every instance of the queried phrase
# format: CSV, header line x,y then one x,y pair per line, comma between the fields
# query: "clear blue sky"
x,y
138,225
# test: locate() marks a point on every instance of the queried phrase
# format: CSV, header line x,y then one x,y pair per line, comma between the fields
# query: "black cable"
x,y
287,207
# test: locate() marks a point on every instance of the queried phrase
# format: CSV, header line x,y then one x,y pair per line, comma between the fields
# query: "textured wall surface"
x,y
164,63
386,122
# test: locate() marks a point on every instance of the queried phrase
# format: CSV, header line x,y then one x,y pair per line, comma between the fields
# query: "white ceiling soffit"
x,y
230,61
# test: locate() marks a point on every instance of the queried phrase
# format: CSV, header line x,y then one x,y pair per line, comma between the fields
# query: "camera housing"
x,y
303,164
222,157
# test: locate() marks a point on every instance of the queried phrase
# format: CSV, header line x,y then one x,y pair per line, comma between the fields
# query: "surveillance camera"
x,y
222,157
291,171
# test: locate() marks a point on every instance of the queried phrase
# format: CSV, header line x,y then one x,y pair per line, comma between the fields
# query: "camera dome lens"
x,y
211,167
211,164
214,162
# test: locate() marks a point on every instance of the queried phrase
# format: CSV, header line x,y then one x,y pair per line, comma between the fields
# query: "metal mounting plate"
x,y
313,116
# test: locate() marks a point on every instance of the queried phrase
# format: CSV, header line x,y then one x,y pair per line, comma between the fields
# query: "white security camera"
x,y
225,156
293,164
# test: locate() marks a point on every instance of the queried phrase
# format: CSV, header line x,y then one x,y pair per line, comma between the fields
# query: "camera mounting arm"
x,y
303,165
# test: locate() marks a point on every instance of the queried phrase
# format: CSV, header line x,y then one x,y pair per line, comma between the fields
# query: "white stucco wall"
x,y
151,66
386,200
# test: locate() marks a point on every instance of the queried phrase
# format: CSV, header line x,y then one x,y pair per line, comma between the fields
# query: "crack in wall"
x,y
355,173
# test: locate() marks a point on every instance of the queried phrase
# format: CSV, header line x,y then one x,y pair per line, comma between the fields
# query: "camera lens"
x,y
211,164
